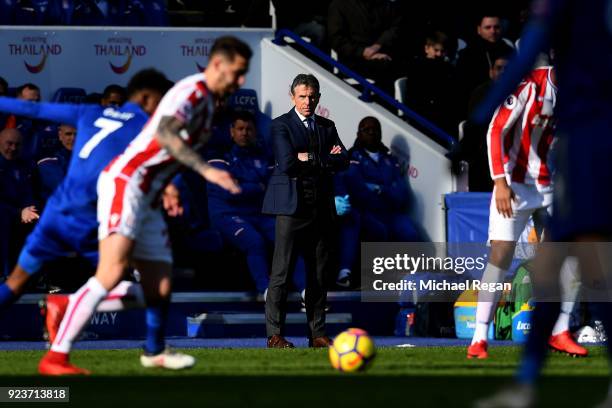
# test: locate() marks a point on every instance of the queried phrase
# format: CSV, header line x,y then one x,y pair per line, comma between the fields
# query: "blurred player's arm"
x,y
169,137
248,189
503,122
56,112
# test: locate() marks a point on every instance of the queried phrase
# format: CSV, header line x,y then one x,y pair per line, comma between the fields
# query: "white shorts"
x,y
529,202
124,209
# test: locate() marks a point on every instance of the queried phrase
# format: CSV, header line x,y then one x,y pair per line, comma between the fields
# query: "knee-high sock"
x,y
81,307
570,285
486,302
156,317
126,295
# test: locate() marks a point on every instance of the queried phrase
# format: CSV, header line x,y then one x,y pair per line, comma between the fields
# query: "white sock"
x,y
562,323
487,302
482,329
569,281
126,295
81,307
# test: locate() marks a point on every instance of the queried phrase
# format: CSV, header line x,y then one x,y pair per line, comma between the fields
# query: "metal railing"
x,y
368,89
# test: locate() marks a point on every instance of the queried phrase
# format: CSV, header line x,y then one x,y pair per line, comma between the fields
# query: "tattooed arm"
x,y
169,137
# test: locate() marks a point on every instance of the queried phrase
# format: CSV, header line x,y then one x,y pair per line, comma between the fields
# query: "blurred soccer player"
x,y
519,140
131,226
581,207
68,225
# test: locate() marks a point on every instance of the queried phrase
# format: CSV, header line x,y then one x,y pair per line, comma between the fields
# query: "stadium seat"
x,y
7,9
26,14
509,42
60,12
461,129
144,13
400,91
461,44
45,142
71,95
246,99
38,12
96,13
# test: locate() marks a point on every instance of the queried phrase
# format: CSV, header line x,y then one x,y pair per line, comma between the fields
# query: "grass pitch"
x,y
412,377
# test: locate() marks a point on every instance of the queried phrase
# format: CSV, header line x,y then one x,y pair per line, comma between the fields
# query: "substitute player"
x,y
68,225
131,228
519,139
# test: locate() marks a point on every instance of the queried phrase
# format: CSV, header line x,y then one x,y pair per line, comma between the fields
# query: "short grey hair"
x,y
307,80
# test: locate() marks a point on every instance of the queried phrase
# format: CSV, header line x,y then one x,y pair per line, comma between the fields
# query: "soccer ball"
x,y
352,350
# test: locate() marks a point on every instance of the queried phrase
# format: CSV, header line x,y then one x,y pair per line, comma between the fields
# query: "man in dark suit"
x,y
307,151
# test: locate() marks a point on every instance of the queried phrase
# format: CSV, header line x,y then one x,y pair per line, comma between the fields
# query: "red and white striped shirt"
x,y
522,131
189,101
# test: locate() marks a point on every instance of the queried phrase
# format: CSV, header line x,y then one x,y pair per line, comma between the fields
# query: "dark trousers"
x,y
311,236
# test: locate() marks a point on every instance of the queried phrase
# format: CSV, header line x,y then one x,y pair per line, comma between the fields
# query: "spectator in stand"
x,y
114,95
372,198
52,169
474,142
26,92
365,35
17,206
26,126
430,87
310,22
238,216
477,59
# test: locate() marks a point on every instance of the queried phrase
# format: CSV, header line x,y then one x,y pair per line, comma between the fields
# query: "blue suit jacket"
x,y
290,137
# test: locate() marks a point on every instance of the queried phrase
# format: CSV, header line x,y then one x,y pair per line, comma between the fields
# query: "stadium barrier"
x,y
230,314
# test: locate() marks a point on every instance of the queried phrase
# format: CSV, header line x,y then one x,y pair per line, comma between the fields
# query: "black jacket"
x,y
474,63
290,175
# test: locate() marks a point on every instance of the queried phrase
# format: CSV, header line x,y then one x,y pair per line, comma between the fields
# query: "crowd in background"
x,y
448,55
